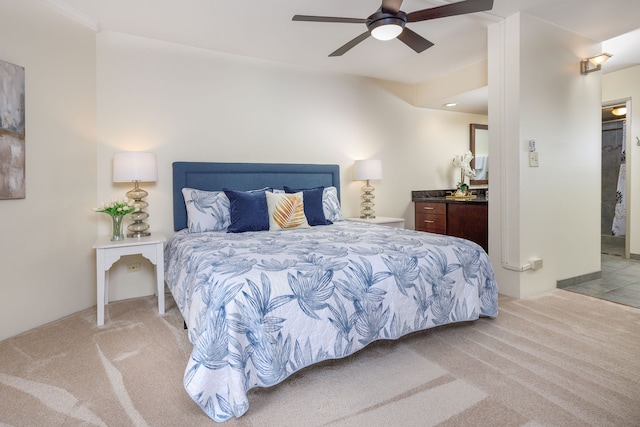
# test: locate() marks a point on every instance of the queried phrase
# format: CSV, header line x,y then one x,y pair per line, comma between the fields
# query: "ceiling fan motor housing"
x,y
382,18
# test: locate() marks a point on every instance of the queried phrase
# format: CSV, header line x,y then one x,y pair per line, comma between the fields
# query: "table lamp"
x,y
136,166
366,170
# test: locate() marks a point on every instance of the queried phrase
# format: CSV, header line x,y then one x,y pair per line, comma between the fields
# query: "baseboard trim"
x,y
612,240
565,283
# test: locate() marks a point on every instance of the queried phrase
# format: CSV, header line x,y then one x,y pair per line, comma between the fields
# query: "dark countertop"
x,y
482,200
440,196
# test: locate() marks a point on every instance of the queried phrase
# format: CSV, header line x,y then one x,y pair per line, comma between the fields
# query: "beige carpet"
x,y
561,359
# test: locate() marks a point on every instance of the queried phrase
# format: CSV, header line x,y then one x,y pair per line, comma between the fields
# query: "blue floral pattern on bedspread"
x,y
262,305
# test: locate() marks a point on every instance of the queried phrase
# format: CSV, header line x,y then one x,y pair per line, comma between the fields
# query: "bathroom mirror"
x,y
479,146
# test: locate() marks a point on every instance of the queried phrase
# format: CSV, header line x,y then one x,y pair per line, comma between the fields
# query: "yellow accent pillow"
x,y
286,211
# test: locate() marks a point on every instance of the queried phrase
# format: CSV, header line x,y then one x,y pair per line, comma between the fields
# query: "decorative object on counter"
x,y
427,195
136,166
116,210
463,192
366,170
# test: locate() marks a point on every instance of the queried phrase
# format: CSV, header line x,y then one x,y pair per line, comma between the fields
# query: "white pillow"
x,y
286,211
331,204
206,210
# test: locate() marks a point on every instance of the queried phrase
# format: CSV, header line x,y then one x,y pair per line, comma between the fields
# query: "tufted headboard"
x,y
245,176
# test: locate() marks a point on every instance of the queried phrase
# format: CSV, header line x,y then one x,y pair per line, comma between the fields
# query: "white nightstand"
x,y
381,220
108,252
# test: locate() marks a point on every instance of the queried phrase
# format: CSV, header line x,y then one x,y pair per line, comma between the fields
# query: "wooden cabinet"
x,y
468,220
431,217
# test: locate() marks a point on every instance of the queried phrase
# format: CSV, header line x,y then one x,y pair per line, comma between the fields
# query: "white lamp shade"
x,y
367,169
134,166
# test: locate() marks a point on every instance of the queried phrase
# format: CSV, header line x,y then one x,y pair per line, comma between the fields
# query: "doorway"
x,y
613,225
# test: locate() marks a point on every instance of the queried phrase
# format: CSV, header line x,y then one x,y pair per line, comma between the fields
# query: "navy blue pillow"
x,y
312,199
248,211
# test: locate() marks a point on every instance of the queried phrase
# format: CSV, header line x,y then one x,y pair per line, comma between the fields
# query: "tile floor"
x,y
620,280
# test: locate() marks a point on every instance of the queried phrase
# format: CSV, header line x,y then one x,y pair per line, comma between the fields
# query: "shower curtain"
x,y
619,227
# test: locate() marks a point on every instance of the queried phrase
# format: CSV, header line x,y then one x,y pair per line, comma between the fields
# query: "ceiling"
x,y
264,29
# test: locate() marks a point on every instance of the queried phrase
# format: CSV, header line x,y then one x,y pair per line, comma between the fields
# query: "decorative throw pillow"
x,y
206,210
331,204
313,210
248,211
286,211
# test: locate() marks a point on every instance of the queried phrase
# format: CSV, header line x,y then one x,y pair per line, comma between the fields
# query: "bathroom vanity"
x,y
469,219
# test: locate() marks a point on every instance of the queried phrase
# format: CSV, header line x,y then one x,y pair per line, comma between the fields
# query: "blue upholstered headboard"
x,y
245,176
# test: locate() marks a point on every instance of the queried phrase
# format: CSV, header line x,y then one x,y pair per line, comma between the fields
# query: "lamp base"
x,y
139,234
138,228
367,202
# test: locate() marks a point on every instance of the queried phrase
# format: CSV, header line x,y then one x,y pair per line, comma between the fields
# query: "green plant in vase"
x,y
117,210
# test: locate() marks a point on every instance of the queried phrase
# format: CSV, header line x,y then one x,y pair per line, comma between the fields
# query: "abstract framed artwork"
x,y
12,138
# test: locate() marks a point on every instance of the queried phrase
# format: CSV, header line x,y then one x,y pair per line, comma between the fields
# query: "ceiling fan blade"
x,y
344,49
391,5
459,8
414,40
310,18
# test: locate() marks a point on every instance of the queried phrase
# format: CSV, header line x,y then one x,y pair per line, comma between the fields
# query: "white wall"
x,y
87,100
88,96
622,85
552,211
47,265
189,104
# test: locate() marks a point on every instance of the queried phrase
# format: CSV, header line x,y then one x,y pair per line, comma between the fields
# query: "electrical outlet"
x,y
134,267
536,263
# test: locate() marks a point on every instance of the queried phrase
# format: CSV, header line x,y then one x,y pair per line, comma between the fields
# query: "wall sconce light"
x,y
595,62
136,166
365,170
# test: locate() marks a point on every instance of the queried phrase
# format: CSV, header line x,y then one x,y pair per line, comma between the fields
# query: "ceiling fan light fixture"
x,y
386,26
388,22
386,31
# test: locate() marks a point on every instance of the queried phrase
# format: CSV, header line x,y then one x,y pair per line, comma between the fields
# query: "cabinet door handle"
x,y
428,221
429,208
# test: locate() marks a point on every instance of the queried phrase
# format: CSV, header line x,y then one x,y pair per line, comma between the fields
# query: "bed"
x,y
262,304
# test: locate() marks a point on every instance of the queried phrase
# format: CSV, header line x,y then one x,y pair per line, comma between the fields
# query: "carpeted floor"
x,y
561,359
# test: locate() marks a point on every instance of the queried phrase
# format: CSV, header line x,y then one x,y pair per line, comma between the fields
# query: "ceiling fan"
x,y
389,21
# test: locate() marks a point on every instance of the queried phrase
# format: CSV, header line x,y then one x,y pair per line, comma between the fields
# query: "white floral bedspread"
x,y
262,305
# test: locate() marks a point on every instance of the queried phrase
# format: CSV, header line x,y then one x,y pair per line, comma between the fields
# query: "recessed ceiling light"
x,y
450,104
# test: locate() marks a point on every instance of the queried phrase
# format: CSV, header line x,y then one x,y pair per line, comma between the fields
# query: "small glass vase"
x,y
116,228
